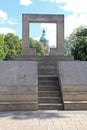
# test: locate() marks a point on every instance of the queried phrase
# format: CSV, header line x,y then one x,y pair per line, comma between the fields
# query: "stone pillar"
x,y
26,50
25,32
60,36
59,50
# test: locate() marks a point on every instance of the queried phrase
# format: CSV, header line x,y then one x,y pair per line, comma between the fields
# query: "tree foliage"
x,y
77,43
38,45
13,44
2,47
10,46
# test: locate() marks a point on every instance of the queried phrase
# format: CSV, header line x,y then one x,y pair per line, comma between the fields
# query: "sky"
x,y
75,14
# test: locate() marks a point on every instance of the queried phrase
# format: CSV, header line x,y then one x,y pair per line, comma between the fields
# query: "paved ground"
x,y
44,120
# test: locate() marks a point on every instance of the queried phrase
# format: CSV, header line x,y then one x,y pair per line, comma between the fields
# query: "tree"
x,y
13,44
3,48
10,46
78,43
38,45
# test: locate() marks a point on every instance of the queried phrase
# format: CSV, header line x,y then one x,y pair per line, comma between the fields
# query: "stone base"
x,y
29,51
43,58
73,79
56,51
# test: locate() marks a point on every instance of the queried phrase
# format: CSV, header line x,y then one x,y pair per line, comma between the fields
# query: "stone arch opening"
x,y
43,18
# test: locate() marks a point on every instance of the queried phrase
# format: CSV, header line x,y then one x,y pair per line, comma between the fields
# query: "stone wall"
x,y
73,80
18,85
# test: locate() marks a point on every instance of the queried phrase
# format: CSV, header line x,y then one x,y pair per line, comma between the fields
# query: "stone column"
x,y
26,50
60,36
25,32
59,50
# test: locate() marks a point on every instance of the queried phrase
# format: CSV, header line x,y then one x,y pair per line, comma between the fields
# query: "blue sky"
x,y
75,12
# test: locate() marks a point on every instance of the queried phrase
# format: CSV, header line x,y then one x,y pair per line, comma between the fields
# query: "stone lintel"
x,y
46,18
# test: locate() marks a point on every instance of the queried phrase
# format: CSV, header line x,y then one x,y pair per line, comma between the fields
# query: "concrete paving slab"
x,y
43,120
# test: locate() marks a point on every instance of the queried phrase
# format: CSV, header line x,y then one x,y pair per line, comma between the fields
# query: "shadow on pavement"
x,y
16,115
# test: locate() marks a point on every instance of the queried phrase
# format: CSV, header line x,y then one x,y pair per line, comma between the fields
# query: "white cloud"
x,y
3,15
4,18
12,21
78,6
6,30
73,21
43,0
25,2
75,6
78,15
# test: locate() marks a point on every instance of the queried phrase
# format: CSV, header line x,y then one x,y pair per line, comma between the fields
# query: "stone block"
x,y
28,51
18,85
73,80
73,105
56,51
73,72
18,106
74,88
18,98
75,96
18,73
17,89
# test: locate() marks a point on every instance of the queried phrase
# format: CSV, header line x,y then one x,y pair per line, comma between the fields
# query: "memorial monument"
x,y
54,82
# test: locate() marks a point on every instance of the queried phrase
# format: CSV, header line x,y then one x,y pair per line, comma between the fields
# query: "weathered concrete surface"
x,y
18,73
73,79
73,72
18,85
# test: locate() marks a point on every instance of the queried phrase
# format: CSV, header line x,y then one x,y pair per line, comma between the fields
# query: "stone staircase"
x,y
49,93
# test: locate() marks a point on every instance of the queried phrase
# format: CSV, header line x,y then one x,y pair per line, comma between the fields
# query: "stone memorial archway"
x,y
43,18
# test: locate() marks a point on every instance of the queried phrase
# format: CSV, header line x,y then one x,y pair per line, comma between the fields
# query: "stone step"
x,y
47,72
18,98
75,96
38,58
48,77
45,88
18,106
49,63
49,93
17,92
17,88
49,99
47,66
47,82
75,105
50,106
48,88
